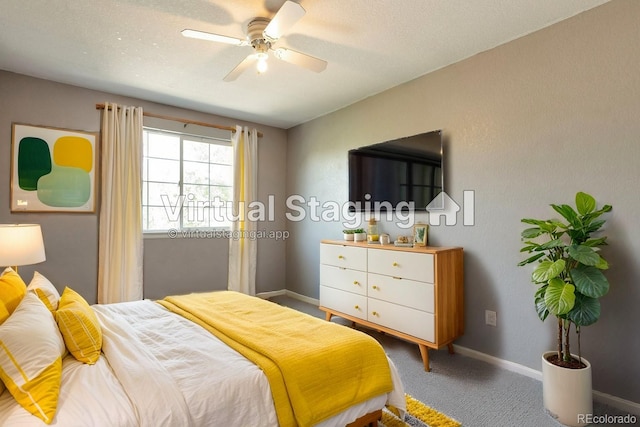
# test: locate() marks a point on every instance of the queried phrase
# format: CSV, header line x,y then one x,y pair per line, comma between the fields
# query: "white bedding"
x,y
160,369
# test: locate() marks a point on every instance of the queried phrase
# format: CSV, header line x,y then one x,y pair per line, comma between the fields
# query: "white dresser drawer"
x,y
342,278
344,256
407,265
344,302
413,322
410,293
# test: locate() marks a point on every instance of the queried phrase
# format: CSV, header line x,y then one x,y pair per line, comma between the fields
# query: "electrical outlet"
x,y
490,317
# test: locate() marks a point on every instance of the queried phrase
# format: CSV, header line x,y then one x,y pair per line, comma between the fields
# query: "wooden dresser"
x,y
412,293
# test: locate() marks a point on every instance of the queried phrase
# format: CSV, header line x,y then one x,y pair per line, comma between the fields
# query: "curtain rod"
x,y
185,121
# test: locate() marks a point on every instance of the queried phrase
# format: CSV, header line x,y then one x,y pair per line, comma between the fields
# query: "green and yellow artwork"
x,y
420,232
52,169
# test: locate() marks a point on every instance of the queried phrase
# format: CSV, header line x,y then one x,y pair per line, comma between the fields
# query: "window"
x,y
187,181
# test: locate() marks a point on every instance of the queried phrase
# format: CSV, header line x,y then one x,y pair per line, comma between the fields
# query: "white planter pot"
x,y
360,237
348,236
567,393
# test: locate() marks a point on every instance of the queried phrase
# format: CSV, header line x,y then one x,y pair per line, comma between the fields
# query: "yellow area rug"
x,y
418,415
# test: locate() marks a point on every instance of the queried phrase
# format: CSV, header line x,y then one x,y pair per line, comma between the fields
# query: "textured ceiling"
x,y
134,48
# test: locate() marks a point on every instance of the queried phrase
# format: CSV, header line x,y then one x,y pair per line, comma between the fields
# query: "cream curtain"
x,y
120,246
243,245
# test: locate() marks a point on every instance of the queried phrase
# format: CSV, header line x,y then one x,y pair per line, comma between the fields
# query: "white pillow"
x,y
31,350
45,290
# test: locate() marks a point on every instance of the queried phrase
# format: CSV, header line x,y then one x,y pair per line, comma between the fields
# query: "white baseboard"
x,y
309,300
270,294
608,399
621,404
504,364
291,294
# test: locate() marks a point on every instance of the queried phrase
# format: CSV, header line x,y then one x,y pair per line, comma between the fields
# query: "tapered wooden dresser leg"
x,y
424,352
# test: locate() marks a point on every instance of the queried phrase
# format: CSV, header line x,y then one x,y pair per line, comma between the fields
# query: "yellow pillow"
x,y
79,327
12,289
31,350
45,290
4,313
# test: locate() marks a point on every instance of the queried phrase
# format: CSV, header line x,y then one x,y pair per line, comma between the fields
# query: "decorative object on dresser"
x,y
385,239
404,241
373,235
412,293
570,283
359,235
347,235
420,234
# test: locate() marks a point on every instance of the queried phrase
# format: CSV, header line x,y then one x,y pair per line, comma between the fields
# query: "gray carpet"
x,y
476,393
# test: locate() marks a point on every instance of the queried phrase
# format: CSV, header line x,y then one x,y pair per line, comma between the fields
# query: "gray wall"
x,y
527,124
71,240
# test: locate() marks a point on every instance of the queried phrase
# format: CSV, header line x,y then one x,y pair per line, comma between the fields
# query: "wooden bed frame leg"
x,y
369,420
424,352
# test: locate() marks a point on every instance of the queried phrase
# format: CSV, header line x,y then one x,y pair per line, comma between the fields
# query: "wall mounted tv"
x,y
402,170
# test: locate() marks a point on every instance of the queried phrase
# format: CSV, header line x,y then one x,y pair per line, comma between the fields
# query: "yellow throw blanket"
x,y
315,368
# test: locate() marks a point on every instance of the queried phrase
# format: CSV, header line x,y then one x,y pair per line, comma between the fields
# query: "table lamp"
x,y
21,244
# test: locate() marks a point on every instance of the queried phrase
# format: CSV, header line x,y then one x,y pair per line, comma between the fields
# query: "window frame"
x,y
180,228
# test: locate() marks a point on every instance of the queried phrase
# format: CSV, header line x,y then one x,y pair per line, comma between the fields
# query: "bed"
x,y
159,367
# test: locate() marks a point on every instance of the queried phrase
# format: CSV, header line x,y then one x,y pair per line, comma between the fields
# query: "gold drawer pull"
x,y
355,282
395,264
375,287
357,307
375,313
340,257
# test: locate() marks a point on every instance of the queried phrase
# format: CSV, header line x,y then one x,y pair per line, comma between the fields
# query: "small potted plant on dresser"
x,y
359,235
347,234
570,283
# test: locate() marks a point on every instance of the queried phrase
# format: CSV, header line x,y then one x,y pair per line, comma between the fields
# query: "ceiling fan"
x,y
262,34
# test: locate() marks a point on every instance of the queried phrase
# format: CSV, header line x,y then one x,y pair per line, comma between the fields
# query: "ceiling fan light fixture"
x,y
262,65
261,47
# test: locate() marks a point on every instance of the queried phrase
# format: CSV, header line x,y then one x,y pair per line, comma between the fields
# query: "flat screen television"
x,y
401,174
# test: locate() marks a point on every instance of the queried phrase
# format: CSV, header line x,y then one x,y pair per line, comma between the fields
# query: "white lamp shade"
x,y
21,244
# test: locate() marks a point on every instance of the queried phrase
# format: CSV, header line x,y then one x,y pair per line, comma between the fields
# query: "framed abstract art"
x,y
53,170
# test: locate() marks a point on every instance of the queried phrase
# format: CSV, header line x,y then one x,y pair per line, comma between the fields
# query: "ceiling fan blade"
x,y
246,63
300,59
289,14
195,34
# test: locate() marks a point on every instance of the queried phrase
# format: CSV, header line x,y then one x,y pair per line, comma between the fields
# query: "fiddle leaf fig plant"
x,y
569,273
